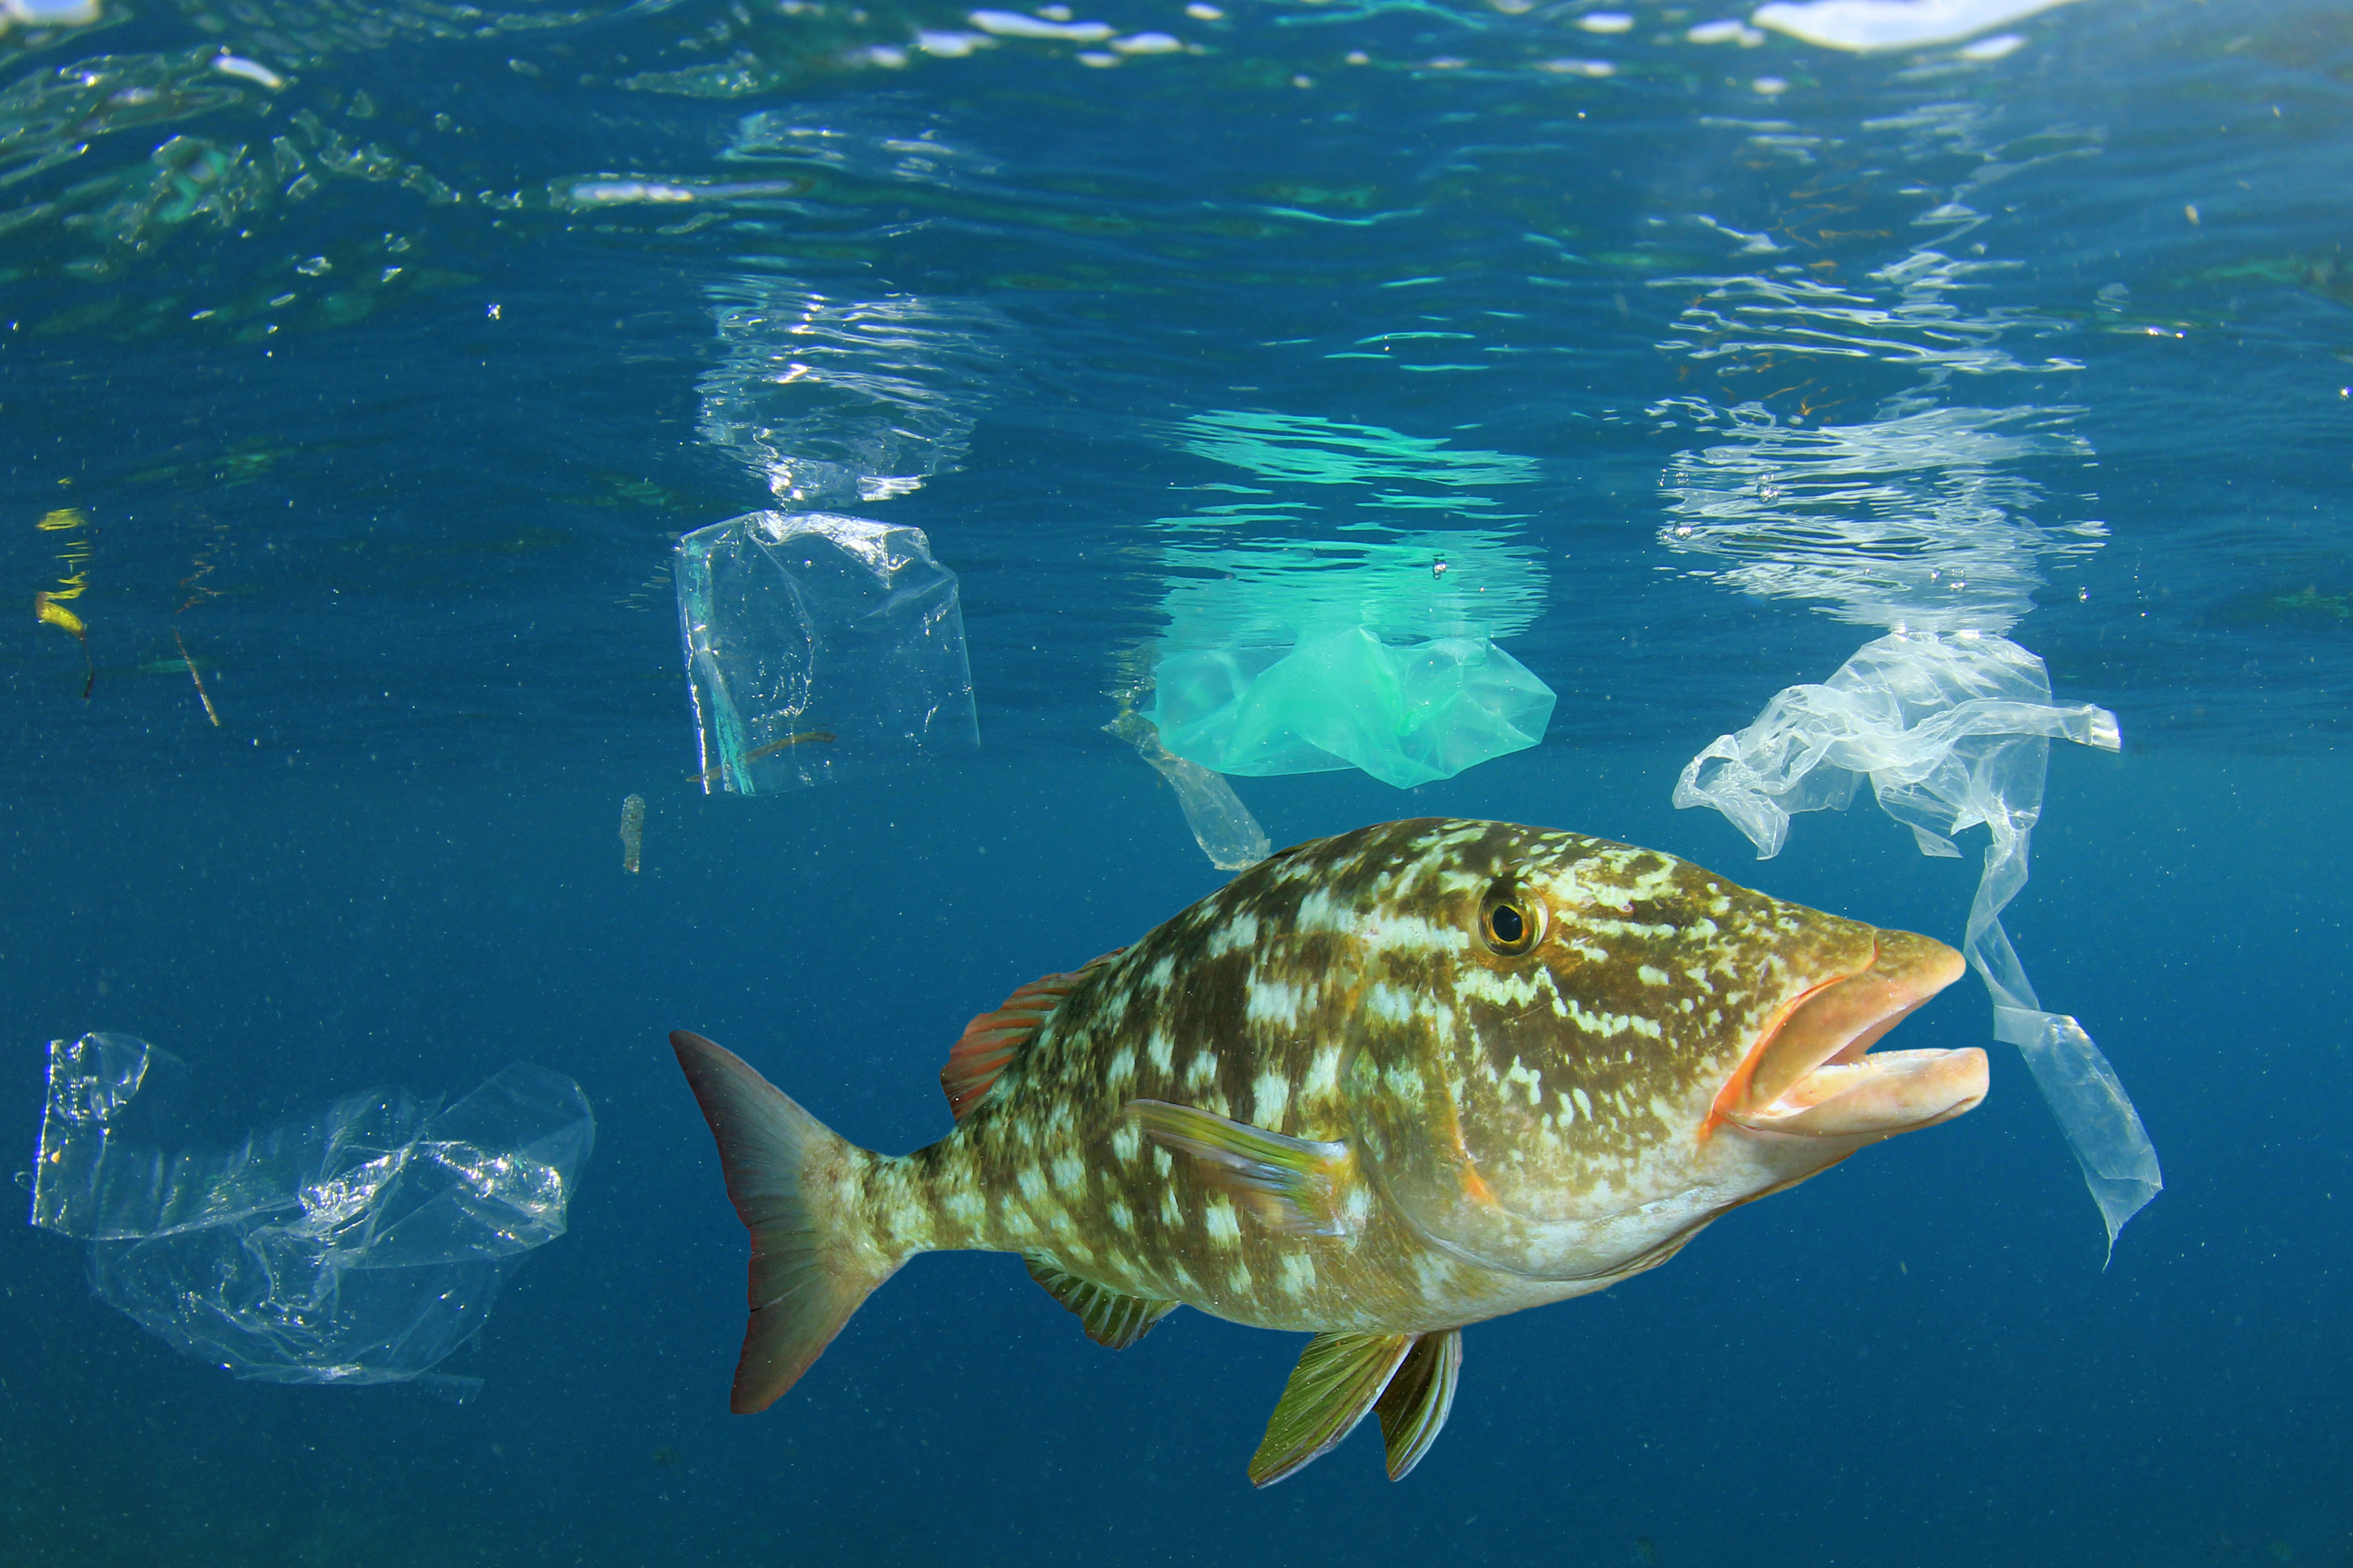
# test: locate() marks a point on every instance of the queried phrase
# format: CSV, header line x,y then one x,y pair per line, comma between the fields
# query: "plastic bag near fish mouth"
x,y
1954,731
362,1245
819,647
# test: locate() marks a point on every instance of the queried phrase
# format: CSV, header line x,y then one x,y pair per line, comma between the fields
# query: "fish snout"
x,y
1812,1073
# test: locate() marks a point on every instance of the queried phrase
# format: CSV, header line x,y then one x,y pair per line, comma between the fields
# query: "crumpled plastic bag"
x,y
1954,731
819,647
361,1245
1406,714
1222,826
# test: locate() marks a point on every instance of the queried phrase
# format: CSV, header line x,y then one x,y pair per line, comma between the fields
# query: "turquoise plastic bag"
x,y
1404,715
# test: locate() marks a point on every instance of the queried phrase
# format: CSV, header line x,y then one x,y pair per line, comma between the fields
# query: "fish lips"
x,y
1812,1073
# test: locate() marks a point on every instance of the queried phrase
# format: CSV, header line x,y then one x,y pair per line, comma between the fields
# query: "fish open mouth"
x,y
1812,1073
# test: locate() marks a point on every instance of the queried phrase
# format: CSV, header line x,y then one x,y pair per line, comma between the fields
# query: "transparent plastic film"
x,y
1223,827
1406,714
819,647
1953,730
360,1244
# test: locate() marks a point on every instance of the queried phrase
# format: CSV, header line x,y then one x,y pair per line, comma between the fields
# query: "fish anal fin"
x,y
1298,1185
1337,1380
1414,1407
993,1040
1108,1318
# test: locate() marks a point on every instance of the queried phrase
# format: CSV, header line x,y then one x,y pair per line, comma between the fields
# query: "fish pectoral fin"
x,y
1108,1318
1298,1185
1414,1407
1337,1380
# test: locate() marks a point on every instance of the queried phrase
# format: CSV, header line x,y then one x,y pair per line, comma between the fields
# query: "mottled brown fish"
x,y
1377,1088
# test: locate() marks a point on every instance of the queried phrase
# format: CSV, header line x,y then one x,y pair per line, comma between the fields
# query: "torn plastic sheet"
x,y
360,1244
1222,826
1954,730
1406,714
817,648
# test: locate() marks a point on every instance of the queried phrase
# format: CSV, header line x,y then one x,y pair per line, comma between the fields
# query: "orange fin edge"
x,y
993,1040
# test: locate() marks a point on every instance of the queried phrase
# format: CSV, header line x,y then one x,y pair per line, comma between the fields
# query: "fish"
x,y
1376,1089
717,771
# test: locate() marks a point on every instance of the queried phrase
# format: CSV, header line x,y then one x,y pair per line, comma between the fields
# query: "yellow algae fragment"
x,y
46,609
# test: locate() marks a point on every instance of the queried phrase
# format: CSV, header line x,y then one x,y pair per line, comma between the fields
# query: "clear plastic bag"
x,y
1222,826
361,1245
1954,731
1404,715
817,648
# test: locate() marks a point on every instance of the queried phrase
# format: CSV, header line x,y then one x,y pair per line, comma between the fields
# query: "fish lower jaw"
x,y
1873,1096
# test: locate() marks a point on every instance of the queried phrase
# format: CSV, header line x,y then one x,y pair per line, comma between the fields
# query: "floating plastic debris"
x,y
819,647
633,833
361,1245
1406,714
1860,26
1223,827
1954,731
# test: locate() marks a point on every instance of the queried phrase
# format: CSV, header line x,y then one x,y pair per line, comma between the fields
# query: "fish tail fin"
x,y
795,1183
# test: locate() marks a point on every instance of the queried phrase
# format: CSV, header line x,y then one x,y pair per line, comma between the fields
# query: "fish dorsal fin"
x,y
1298,1185
1414,1406
1337,1380
992,1040
1108,1318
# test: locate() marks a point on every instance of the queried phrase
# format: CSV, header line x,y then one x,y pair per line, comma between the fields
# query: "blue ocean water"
x,y
361,365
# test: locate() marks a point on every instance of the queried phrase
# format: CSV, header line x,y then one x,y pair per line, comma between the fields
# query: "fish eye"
x,y
1510,921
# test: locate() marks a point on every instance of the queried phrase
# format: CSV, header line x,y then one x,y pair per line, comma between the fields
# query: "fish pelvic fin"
x,y
1110,1318
994,1040
815,1258
1414,1407
1336,1381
